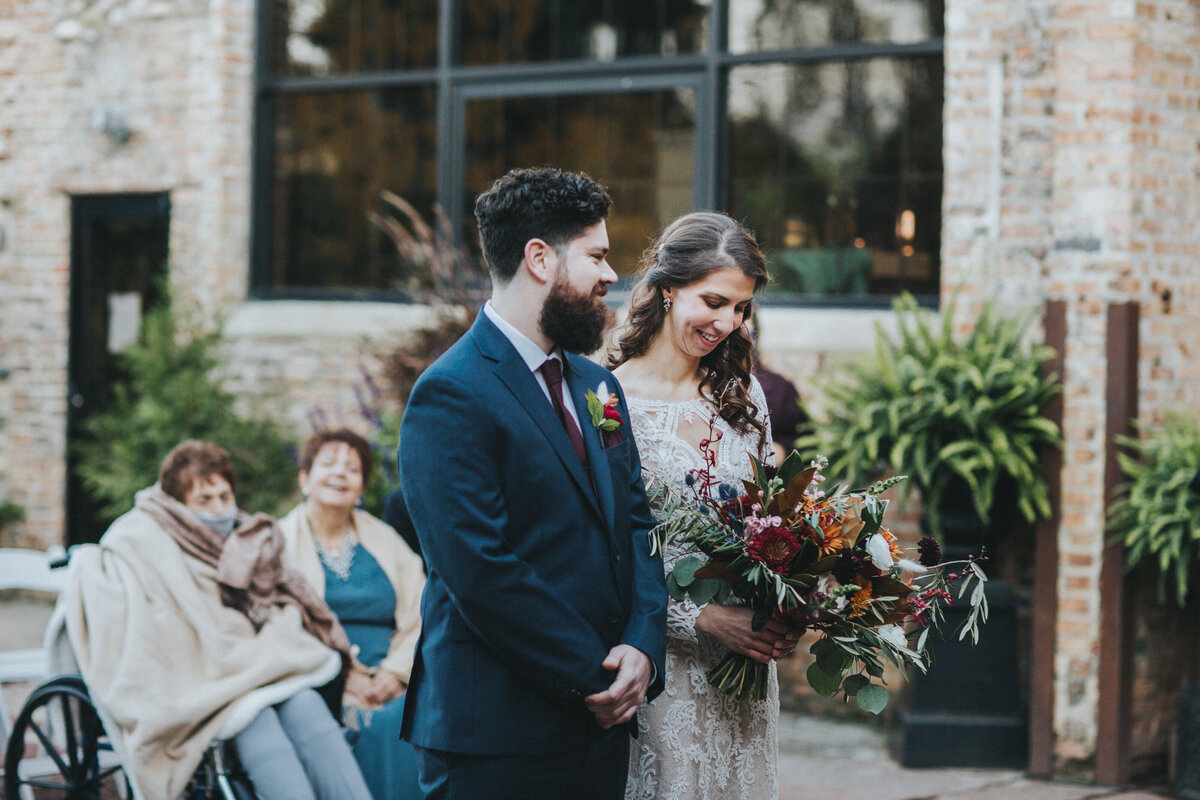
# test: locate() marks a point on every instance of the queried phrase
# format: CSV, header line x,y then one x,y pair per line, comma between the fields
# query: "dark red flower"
x,y
612,413
931,551
775,547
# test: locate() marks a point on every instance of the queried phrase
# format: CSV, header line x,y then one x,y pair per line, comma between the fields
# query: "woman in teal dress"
x,y
373,581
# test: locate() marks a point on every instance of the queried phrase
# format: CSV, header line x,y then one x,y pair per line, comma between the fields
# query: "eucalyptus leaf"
x,y
685,570
853,684
872,698
704,590
831,657
822,682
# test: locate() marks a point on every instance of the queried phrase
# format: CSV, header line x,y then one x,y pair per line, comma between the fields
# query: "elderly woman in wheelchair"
x,y
186,624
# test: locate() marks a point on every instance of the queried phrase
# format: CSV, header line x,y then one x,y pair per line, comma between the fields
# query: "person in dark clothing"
x,y
789,420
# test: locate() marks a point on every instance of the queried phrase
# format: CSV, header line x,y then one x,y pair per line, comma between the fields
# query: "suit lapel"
x,y
601,473
514,373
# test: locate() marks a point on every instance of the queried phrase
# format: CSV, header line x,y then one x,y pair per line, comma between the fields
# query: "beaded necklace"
x,y
339,561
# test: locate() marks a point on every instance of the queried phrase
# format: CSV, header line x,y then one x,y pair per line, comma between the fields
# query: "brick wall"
x,y
178,75
1071,162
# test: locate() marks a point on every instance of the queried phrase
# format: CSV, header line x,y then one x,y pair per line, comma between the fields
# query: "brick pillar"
x,y
1072,160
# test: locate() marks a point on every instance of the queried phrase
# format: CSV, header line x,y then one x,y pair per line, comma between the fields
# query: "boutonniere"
x,y
604,414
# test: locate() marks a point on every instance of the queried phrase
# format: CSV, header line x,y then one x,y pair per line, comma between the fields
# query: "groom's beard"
x,y
575,320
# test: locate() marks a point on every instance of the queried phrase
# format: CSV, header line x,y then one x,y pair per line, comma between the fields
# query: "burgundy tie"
x,y
552,371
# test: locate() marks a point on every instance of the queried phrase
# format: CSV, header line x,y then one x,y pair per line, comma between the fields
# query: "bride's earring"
x,y
666,303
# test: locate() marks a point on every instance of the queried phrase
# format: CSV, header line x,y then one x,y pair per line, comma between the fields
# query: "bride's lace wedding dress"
x,y
695,742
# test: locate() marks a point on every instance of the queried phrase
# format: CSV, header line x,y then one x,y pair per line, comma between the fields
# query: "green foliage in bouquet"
x,y
790,552
1157,511
943,409
173,391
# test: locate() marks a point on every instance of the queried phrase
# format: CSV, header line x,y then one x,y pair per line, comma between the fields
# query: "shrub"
x,y
1157,511
943,410
174,391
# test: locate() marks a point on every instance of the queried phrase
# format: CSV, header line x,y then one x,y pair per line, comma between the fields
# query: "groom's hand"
x,y
619,702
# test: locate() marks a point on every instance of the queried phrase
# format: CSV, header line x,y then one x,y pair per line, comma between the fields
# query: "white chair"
x,y
61,660
29,570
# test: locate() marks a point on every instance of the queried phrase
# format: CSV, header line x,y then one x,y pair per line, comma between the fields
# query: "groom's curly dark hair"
x,y
543,203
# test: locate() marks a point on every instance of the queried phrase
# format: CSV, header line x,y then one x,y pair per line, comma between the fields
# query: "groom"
x,y
544,614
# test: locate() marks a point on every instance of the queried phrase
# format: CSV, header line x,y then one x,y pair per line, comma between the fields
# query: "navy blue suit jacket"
x,y
534,571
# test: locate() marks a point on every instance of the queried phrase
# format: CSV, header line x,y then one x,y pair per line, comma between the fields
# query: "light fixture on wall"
x,y
112,124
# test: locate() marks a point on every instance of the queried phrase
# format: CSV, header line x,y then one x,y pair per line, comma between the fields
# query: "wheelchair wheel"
x,y
78,762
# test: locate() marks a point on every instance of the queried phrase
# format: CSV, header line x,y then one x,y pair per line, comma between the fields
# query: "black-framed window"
x,y
816,122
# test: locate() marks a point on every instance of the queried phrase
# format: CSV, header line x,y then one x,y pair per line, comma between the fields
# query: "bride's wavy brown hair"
x,y
691,248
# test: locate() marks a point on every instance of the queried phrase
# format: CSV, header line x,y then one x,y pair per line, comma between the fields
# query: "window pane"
x,y
639,145
329,37
520,31
334,154
837,167
756,25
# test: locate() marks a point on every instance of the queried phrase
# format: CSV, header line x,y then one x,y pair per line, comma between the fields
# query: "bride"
x,y
684,344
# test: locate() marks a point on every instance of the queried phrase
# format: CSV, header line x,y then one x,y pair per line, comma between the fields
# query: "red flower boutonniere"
x,y
604,414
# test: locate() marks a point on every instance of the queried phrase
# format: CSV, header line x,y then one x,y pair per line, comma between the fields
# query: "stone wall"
x,y
1071,164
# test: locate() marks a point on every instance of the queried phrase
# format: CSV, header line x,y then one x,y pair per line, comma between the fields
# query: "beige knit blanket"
x,y
161,655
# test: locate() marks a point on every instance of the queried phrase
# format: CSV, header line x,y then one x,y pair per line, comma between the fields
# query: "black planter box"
x,y
1187,750
968,709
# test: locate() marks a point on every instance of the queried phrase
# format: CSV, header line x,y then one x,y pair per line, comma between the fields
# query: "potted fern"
x,y
1157,511
961,416
1156,516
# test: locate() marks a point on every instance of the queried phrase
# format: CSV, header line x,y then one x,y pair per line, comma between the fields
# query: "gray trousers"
x,y
296,751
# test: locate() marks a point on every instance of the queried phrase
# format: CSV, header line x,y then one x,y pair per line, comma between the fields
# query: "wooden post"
x,y
1113,711
1045,565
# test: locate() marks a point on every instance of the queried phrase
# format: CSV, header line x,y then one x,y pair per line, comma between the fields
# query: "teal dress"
x,y
365,604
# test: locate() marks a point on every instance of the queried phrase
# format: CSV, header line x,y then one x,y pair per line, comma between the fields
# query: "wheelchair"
x,y
81,761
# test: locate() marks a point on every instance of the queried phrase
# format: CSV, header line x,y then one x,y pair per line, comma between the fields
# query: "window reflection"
x,y
838,169
334,154
836,162
520,31
756,25
330,37
638,144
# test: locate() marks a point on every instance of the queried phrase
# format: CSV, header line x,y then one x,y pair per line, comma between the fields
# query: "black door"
x,y
118,261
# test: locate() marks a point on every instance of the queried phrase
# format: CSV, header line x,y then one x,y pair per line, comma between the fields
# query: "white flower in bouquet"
x,y
893,634
879,551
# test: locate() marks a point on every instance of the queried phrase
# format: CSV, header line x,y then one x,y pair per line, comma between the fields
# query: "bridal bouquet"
x,y
819,561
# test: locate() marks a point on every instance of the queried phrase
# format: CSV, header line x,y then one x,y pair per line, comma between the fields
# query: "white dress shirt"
x,y
534,357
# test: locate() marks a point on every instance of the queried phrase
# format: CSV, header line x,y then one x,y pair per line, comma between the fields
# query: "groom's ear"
x,y
540,260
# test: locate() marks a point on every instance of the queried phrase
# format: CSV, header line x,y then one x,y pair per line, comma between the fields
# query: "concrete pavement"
x,y
832,759
819,758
